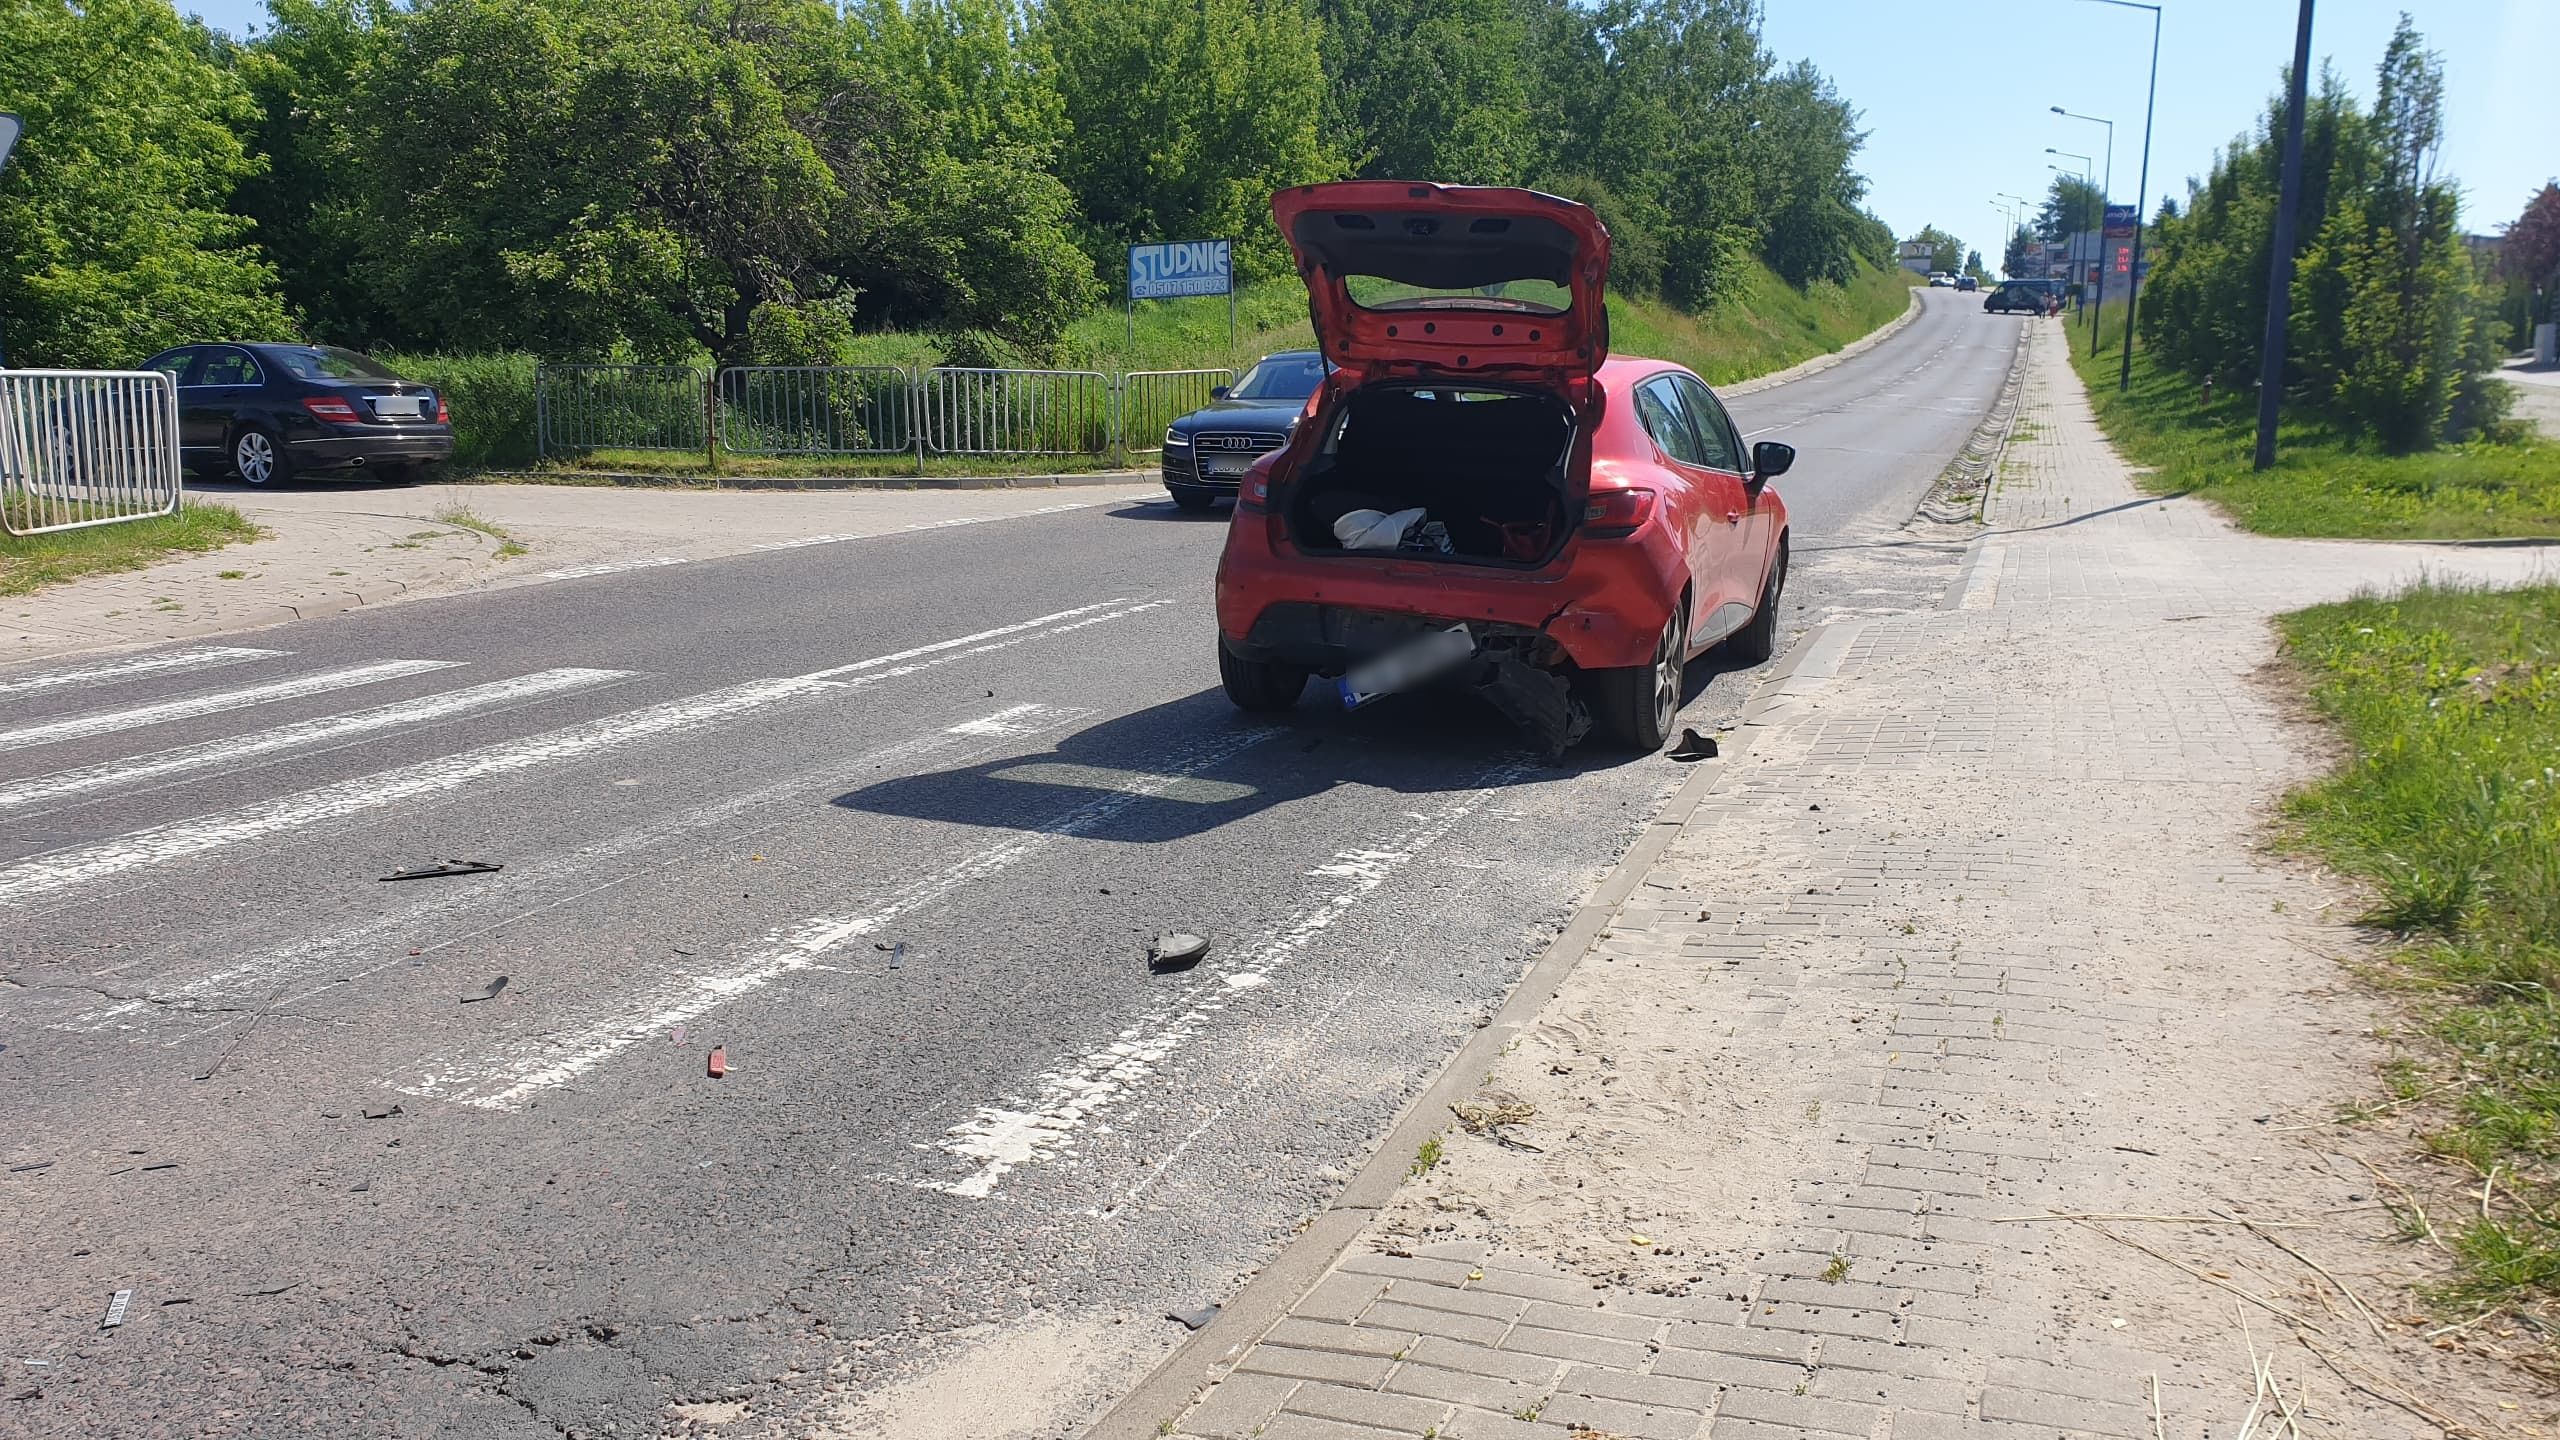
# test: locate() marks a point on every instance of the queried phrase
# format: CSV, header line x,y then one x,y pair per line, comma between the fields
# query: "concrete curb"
x,y
637,481
1304,1260
1820,363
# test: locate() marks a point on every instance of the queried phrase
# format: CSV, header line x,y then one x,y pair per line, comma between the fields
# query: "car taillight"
x,y
1612,513
444,412
332,409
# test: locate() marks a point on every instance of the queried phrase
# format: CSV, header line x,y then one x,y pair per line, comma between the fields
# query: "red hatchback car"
x,y
1480,491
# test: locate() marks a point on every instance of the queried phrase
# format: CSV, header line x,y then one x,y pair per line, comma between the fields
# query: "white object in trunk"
x,y
1374,529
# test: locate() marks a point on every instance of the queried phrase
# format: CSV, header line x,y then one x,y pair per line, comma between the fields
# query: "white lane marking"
x,y
108,721
108,672
505,1081
63,869
1001,1138
320,731
613,567
271,979
802,541
1015,720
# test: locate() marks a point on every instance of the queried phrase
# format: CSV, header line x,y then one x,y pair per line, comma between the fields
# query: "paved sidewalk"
x,y
334,547
1978,931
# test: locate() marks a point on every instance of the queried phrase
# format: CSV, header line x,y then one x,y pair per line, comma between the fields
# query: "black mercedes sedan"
x,y
267,413
1207,451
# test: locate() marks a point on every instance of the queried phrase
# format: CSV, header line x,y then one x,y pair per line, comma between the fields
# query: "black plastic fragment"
x,y
1193,1319
446,867
1694,746
485,992
1177,951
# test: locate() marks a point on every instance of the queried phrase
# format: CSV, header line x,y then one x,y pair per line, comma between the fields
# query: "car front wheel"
x,y
1638,705
1259,686
256,459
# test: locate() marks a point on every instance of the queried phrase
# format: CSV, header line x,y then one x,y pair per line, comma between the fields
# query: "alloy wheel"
x,y
255,456
1669,669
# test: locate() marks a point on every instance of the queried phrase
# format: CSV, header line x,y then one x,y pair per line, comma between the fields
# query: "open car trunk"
x,y
1491,468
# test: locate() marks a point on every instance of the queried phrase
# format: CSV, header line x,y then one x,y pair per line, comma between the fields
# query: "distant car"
x,y
1940,279
2020,296
1967,282
267,413
1207,451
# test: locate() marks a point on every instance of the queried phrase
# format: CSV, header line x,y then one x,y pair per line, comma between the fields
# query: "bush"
x,y
492,398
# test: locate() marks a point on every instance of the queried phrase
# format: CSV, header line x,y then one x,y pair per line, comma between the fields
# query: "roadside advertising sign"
x,y
1181,268
2120,220
10,125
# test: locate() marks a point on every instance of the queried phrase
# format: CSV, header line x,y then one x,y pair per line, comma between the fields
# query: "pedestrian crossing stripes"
x,y
302,735
188,707
130,667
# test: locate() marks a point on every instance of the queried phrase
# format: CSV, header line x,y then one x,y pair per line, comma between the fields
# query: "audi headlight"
x,y
1175,439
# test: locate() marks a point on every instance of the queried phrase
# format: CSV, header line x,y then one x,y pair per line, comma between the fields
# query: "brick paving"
x,y
1977,929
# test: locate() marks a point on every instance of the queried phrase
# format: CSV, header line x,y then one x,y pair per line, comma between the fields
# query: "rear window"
x,y
1528,297
328,362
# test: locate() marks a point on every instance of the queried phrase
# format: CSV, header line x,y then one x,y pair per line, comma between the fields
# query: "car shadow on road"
x,y
1165,509
1193,765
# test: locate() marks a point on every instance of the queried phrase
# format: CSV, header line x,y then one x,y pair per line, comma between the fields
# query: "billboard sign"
x,y
2120,222
2124,259
1181,268
10,125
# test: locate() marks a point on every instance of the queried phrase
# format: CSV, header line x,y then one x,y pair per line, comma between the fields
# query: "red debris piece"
x,y
719,1061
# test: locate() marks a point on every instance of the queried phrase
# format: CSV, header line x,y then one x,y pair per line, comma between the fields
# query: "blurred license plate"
x,y
1230,464
1423,658
401,407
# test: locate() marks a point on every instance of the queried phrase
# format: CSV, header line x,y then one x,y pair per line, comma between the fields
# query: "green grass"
x,y
462,516
2325,482
2452,701
33,562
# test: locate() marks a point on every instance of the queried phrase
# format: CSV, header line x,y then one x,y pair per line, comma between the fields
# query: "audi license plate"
x,y
1230,464
398,407
1417,661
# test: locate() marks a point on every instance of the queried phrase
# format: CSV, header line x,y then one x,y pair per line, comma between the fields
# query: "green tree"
x,y
2532,250
1945,250
1973,267
1184,121
2071,206
1429,89
310,220
114,240
673,176
974,68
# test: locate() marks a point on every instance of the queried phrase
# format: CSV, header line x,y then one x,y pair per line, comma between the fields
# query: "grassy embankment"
x,y
1766,325
32,562
2451,699
2325,482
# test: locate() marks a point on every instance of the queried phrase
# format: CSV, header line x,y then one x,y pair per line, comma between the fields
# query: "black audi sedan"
x,y
1207,451
267,413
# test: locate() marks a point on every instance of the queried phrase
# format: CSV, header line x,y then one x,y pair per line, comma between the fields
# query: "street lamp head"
x,y
2058,110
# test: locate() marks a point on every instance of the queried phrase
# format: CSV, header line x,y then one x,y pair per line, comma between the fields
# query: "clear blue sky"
x,y
1955,112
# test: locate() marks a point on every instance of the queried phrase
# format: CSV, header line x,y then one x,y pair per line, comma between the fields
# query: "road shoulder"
x,y
1954,1066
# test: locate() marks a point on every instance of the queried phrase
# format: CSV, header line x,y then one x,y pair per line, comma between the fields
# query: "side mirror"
x,y
1771,459
1219,392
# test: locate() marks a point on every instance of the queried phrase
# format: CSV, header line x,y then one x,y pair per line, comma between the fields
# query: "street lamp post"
x,y
2014,208
2280,267
2067,247
2142,188
2107,198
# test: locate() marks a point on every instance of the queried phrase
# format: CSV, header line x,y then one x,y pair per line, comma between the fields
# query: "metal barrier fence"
x,y
1017,412
1151,400
817,409
579,408
86,447
861,409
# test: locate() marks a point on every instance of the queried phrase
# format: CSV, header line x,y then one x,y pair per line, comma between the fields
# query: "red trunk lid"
x,y
1457,280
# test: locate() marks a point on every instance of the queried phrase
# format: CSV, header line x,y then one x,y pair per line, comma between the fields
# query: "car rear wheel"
x,y
1638,705
256,458
1756,642
1192,498
1260,686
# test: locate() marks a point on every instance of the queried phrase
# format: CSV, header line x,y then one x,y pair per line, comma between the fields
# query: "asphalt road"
x,y
889,821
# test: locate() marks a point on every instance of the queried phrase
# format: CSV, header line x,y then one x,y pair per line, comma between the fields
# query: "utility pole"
x,y
2108,186
2280,265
